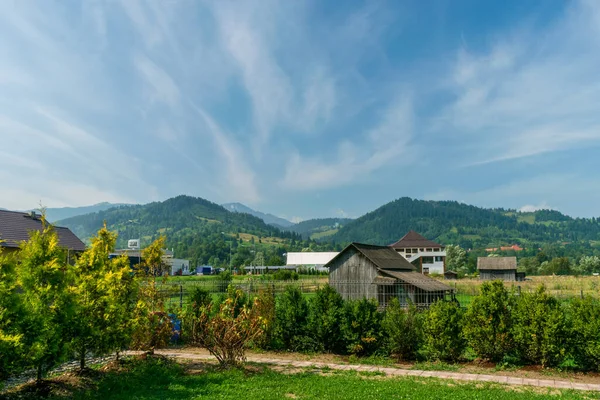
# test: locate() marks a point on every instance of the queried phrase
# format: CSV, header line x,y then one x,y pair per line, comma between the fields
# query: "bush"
x,y
227,333
326,311
585,319
225,278
488,322
442,328
285,275
291,320
362,328
540,329
403,330
264,307
199,298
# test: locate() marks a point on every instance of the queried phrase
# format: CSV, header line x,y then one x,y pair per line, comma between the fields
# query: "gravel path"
x,y
390,371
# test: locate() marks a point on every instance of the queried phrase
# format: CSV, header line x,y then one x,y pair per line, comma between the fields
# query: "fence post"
x,y
180,296
582,293
519,289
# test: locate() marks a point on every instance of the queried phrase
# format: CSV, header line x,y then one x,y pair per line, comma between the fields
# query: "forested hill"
x,y
194,227
469,226
319,227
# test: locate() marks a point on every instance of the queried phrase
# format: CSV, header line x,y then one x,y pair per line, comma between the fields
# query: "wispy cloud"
x,y
385,144
532,92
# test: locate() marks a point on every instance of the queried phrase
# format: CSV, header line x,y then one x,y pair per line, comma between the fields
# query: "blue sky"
x,y
301,108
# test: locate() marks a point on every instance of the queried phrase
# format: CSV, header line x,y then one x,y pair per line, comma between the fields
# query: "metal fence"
x,y
421,293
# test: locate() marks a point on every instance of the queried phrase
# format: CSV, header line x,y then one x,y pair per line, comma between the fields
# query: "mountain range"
x,y
192,223
267,218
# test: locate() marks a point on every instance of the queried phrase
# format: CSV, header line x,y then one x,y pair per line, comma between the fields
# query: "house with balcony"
x,y
427,256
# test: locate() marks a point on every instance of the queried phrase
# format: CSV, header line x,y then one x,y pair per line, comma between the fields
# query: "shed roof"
x,y
419,280
413,239
496,263
382,256
15,227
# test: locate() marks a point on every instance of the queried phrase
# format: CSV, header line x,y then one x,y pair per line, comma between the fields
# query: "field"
x,y
178,288
558,286
161,379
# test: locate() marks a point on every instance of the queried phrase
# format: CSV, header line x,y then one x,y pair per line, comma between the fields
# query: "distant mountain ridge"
x,y
56,214
267,218
450,222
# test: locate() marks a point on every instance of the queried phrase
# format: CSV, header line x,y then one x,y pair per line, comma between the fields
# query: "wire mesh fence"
x,y
420,293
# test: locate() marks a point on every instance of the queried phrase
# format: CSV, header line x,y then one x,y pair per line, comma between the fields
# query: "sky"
x,y
301,108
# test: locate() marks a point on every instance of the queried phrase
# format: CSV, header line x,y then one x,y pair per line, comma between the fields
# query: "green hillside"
x,y
319,228
195,228
469,226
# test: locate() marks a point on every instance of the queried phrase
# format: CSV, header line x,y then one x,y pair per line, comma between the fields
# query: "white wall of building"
x,y
314,258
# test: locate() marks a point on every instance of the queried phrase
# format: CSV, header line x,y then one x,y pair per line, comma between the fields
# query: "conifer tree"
x,y
10,315
43,278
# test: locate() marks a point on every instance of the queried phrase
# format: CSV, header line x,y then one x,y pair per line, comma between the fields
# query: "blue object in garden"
x,y
176,324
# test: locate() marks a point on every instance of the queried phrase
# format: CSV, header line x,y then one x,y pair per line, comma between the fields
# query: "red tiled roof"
x,y
15,227
413,239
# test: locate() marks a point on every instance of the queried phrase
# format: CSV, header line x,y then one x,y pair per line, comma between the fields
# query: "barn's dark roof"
x,y
15,227
419,280
382,256
496,263
413,239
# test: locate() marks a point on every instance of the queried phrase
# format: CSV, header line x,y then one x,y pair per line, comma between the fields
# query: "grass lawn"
x,y
159,379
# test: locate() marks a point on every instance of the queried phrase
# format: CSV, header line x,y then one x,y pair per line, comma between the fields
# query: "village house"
x,y
427,256
503,268
15,227
379,272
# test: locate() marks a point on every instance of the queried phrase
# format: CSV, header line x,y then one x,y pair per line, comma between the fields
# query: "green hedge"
x,y
499,326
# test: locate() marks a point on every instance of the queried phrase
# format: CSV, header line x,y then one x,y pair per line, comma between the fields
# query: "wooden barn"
x,y
379,272
503,268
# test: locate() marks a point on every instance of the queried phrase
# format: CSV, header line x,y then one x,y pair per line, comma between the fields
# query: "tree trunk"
x,y
39,372
117,356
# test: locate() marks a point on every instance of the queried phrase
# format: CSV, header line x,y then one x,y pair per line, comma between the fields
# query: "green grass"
x,y
319,235
165,380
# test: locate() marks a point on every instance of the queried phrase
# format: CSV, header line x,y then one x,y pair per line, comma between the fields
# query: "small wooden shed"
x,y
379,272
450,275
503,268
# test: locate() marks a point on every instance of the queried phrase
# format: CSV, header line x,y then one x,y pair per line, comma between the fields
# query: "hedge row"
x,y
499,326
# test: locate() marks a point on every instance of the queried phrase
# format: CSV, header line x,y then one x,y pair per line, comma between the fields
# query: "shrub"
x,y
285,275
199,298
442,328
326,311
362,327
264,308
585,318
227,333
540,329
488,322
225,278
403,330
291,318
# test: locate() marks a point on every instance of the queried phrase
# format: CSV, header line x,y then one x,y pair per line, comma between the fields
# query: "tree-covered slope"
x,y
319,227
469,226
196,228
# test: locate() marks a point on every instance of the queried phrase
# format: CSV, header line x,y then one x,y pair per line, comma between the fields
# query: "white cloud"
x,y
162,86
386,144
532,208
239,181
531,93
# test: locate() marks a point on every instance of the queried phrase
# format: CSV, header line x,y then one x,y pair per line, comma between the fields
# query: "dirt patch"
x,y
61,386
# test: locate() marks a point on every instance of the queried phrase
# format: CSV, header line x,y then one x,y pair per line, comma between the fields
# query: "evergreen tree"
x,y
44,279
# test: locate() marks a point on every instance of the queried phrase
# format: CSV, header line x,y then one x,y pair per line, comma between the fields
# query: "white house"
x,y
310,259
429,257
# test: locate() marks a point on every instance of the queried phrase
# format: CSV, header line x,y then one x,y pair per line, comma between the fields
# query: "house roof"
x,y
15,227
383,257
310,258
496,263
413,239
419,280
